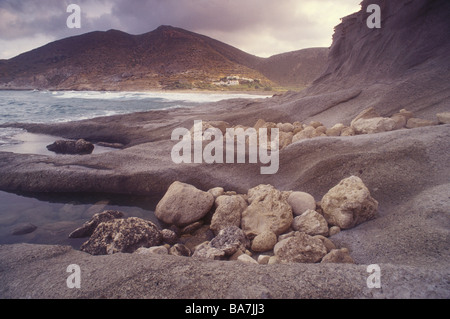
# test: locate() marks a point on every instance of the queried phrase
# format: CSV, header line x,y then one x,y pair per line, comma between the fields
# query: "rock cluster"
x,y
367,122
264,226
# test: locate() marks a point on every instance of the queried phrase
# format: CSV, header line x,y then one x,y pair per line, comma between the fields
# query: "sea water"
x,y
55,216
63,106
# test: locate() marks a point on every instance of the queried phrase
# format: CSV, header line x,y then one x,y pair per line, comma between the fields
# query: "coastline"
x,y
395,165
245,92
381,190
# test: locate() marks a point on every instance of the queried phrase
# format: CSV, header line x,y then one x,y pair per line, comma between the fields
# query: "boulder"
x,y
407,114
301,202
80,147
268,210
321,130
169,236
349,204
329,245
311,223
235,256
183,204
347,131
415,122
263,259
157,250
229,240
373,125
122,236
285,139
87,229
259,124
335,130
368,113
300,248
264,241
338,256
246,259
23,229
180,250
443,118
221,125
297,128
201,235
285,127
191,228
205,251
315,124
286,235
228,212
307,132
216,191
400,121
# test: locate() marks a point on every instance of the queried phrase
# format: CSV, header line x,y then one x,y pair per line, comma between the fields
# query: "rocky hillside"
x,y
166,58
297,68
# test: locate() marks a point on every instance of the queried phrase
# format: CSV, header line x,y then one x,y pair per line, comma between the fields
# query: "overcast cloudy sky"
x,y
260,27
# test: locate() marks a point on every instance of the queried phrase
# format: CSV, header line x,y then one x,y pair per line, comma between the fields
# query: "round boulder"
x,y
264,241
301,202
183,204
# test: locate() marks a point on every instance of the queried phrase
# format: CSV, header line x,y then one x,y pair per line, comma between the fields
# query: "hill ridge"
x,y
165,58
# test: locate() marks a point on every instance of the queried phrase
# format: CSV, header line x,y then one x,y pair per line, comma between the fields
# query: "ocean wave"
x,y
8,134
164,96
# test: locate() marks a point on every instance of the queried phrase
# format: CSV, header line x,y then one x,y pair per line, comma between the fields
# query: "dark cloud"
x,y
262,27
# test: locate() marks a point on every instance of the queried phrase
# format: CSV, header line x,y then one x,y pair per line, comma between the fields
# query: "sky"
x,y
259,27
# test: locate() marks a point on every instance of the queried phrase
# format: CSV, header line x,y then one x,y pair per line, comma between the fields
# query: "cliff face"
x,y
414,37
404,64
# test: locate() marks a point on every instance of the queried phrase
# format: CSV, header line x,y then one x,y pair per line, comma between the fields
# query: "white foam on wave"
x,y
167,96
8,134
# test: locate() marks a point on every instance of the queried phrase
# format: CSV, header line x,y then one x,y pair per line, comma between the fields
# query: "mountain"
x,y
166,58
297,68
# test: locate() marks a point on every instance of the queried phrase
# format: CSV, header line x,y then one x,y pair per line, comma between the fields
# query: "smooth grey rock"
x,y
23,229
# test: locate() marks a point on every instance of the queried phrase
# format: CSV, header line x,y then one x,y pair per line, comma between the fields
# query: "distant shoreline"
x,y
225,92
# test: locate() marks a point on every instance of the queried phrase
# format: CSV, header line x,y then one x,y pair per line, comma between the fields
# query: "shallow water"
x,y
63,106
57,215
22,142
